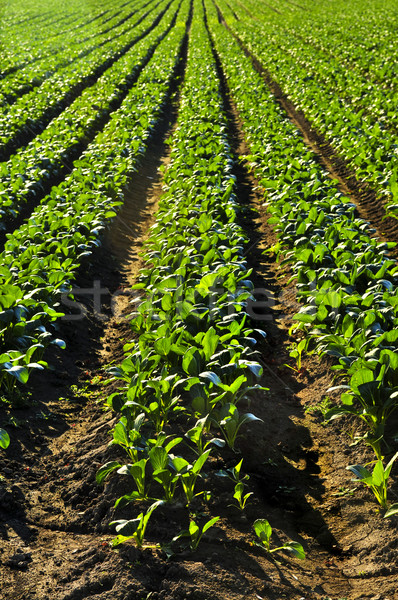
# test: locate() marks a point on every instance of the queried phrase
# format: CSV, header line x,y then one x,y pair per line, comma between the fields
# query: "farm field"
x,y
199,310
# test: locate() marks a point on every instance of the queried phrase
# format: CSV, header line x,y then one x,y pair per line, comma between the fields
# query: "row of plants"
x,y
23,93
364,140
193,361
31,172
364,41
41,258
29,39
345,276
370,101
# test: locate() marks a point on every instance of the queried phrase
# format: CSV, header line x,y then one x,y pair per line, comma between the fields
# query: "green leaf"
x,y
210,523
20,373
159,458
378,473
163,346
198,464
263,529
210,376
393,510
210,343
193,528
296,549
359,471
389,466
127,528
4,439
107,468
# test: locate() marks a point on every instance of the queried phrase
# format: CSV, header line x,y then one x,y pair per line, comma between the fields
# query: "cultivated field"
x,y
199,309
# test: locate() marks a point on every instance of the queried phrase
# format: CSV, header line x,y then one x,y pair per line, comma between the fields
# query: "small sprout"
x,y
195,533
264,531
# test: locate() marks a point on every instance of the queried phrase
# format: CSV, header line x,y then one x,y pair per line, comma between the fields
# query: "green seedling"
x,y
160,460
195,533
264,532
230,422
240,497
297,352
197,436
189,473
371,400
138,472
376,480
134,528
234,475
321,407
127,434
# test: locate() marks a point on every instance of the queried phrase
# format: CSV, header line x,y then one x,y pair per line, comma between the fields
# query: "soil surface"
x,y
55,528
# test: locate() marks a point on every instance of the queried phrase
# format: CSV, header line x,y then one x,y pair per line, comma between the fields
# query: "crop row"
x,y
67,56
28,173
344,275
42,256
35,93
193,361
371,102
35,37
361,40
76,69
365,142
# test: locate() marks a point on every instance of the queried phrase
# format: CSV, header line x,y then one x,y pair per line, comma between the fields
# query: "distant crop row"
x,y
357,116
40,93
29,37
41,257
28,173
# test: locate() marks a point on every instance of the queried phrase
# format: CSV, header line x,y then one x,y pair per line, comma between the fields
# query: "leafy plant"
x,y
240,497
134,528
230,421
162,472
189,473
376,480
264,532
195,533
298,350
197,436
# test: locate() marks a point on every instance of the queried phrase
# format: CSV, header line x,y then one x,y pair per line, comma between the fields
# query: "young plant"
x,y
264,531
189,473
234,475
377,480
371,399
134,528
128,435
197,437
240,497
195,533
137,472
162,474
297,352
230,422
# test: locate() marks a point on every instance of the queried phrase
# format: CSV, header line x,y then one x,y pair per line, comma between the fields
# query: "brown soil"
x,y
54,518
